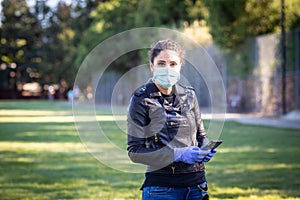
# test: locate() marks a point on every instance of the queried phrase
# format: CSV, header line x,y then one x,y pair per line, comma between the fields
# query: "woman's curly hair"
x,y
167,44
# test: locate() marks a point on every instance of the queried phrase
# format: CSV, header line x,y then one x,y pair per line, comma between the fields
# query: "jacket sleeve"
x,y
138,121
201,132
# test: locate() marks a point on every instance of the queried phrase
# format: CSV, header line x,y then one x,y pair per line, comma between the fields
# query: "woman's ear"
x,y
151,67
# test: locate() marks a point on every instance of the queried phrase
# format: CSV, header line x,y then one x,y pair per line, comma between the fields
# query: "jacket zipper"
x,y
173,169
155,137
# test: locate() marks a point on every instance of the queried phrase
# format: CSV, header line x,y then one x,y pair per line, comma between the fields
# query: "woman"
x,y
165,130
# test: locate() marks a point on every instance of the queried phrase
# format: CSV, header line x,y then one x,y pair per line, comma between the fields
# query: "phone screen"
x,y
212,144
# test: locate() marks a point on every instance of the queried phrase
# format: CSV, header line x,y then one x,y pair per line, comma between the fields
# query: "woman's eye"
x,y
173,64
161,64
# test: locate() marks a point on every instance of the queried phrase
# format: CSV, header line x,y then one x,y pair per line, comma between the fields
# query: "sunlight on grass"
x,y
32,113
260,167
220,193
239,149
244,149
271,166
42,147
60,119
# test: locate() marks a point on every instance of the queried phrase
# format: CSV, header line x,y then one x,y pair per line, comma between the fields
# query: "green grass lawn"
x,y
42,157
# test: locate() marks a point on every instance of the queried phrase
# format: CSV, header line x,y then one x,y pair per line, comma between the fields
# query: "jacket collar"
x,y
179,90
152,90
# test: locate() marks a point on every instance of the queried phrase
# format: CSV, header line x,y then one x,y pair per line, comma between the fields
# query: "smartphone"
x,y
212,144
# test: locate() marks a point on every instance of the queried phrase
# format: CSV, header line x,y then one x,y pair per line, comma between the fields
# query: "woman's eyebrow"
x,y
161,61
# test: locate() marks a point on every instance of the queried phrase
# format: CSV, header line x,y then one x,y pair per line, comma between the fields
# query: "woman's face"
x,y
167,58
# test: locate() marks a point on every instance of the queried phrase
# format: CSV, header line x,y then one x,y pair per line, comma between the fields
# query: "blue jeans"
x,y
169,193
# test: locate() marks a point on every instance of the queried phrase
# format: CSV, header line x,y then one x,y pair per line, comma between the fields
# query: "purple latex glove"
x,y
210,155
190,155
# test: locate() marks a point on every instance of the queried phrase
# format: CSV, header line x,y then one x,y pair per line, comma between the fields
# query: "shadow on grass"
x,y
42,105
39,132
54,175
256,160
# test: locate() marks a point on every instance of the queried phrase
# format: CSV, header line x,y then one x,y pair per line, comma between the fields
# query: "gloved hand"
x,y
189,155
210,155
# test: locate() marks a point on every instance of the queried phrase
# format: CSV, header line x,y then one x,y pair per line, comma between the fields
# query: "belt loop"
x,y
188,193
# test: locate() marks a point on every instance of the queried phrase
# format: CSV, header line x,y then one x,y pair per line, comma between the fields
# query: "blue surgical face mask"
x,y
166,77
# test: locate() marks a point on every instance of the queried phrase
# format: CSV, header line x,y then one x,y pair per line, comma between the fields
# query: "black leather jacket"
x,y
155,128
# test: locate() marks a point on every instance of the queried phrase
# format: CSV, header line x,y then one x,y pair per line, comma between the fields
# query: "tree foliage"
x,y
232,22
58,47
48,44
20,35
40,42
113,16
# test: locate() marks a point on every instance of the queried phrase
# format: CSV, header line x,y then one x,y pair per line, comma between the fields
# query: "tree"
x,y
231,22
20,33
109,18
40,43
112,17
57,45
81,17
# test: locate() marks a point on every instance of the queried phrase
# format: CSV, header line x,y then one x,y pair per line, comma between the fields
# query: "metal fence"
x,y
260,90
